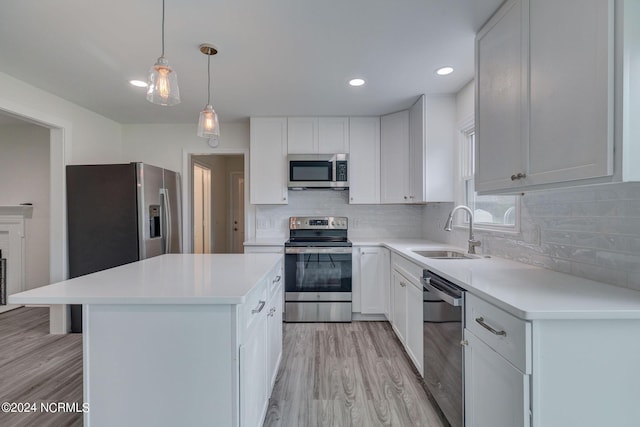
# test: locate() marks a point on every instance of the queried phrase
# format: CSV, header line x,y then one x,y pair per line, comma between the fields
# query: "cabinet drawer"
x,y
255,306
506,334
408,268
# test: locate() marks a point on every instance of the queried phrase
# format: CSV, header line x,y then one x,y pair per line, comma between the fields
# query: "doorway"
x,y
217,200
201,209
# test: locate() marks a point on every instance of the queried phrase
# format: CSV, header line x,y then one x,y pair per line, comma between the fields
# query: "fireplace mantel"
x,y
25,211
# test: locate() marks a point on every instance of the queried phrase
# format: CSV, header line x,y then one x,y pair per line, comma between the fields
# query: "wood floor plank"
x,y
347,374
37,367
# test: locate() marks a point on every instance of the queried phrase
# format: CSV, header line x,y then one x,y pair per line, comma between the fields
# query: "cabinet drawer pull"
x,y
520,175
277,279
480,320
260,307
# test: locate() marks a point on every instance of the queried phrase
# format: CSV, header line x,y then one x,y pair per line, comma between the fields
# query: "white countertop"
x,y
265,242
165,279
526,291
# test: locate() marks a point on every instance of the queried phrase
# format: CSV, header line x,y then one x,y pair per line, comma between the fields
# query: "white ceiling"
x,y
276,57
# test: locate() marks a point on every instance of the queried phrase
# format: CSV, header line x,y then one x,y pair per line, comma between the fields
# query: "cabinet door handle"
x,y
277,279
520,175
480,320
260,307
405,197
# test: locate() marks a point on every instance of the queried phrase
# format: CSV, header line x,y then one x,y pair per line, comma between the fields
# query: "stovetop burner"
x,y
317,231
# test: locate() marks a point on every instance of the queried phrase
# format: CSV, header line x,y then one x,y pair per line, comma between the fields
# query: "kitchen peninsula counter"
x,y
178,339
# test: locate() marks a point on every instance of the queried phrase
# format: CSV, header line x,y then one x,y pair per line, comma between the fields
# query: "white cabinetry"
x,y
364,160
399,298
416,148
540,373
324,135
274,328
254,384
267,160
497,357
374,280
394,158
544,97
261,349
496,393
406,310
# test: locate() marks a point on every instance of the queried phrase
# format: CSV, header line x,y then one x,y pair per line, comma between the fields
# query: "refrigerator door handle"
x,y
167,219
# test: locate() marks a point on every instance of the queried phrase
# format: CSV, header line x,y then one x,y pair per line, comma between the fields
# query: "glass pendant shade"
x,y
163,84
208,126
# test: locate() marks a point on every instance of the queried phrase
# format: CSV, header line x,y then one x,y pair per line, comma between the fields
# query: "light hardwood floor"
x,y
347,374
332,374
38,367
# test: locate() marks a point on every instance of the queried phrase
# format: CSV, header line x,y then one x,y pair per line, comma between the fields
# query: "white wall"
x,y
162,145
591,232
92,138
24,178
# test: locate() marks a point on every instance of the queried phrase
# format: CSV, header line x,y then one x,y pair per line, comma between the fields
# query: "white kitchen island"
x,y
179,339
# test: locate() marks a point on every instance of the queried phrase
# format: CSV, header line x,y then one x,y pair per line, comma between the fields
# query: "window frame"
x,y
466,174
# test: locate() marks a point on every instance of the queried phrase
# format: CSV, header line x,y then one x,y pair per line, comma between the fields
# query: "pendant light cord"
x,y
162,28
208,79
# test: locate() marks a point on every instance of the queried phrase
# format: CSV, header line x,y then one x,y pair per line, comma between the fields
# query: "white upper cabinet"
x,y
323,135
302,135
394,158
545,95
333,135
501,92
571,72
268,160
416,147
364,160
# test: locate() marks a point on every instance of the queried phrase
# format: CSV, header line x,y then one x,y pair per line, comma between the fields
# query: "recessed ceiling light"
x,y
356,82
443,71
138,83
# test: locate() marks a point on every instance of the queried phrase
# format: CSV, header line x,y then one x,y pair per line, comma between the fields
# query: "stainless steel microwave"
x,y
318,171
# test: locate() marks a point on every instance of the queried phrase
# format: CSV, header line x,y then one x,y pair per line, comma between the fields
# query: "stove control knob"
x,y
333,223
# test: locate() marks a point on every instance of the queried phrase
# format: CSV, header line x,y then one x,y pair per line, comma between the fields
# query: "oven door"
x,y
318,273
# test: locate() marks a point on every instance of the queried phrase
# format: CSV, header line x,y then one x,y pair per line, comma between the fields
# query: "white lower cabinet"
x,y
374,279
260,348
497,366
253,374
496,392
406,310
399,313
274,331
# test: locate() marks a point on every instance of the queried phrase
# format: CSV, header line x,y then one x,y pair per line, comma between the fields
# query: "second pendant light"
x,y
208,125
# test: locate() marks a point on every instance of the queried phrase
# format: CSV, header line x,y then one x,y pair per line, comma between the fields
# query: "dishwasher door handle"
x,y
454,300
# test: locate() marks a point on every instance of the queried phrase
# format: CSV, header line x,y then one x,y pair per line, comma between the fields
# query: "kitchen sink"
x,y
445,254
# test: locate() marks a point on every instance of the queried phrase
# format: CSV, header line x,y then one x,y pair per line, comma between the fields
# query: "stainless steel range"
x,y
318,270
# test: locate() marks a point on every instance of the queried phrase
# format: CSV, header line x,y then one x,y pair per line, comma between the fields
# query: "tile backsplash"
x,y
591,232
365,221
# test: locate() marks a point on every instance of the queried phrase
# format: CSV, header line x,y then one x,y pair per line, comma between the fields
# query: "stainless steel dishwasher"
x,y
443,313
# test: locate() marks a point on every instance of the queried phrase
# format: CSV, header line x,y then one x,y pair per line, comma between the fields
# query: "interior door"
x,y
237,212
201,209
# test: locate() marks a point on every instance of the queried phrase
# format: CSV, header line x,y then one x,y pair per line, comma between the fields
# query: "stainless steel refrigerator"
x,y
117,214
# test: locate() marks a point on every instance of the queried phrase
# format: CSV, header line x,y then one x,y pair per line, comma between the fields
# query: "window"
x,y
500,212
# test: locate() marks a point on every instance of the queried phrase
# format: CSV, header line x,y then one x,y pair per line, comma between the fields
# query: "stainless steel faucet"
x,y
472,242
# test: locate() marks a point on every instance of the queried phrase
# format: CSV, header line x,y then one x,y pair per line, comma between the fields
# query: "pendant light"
x,y
208,125
162,86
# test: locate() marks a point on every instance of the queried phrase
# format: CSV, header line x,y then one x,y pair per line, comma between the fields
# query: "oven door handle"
x,y
317,250
449,298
